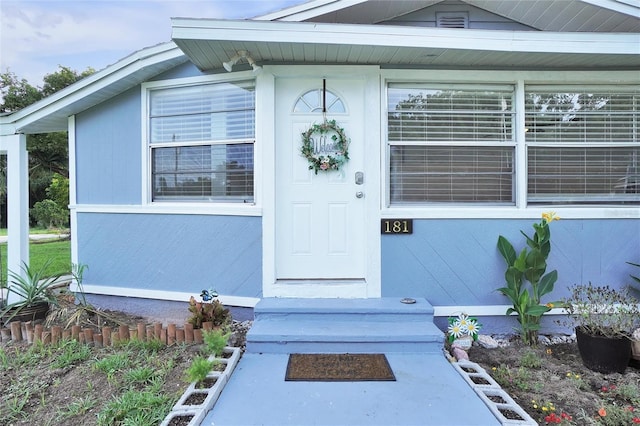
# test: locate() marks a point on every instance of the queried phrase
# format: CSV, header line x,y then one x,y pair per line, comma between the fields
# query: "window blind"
x,y
450,144
211,172
583,144
201,142
431,174
201,113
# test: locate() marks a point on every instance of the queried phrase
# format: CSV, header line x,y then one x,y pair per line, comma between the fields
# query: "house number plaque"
x,y
397,226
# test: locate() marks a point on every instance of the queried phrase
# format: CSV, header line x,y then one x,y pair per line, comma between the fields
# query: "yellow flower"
x,y
545,409
549,305
549,351
550,217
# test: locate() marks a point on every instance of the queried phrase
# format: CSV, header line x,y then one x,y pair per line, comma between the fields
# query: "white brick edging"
x,y
199,412
470,370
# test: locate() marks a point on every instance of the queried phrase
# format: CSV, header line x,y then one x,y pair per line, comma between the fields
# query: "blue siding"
x,y
184,253
456,262
108,151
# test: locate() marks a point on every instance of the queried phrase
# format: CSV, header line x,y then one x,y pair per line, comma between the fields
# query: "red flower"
x,y
636,420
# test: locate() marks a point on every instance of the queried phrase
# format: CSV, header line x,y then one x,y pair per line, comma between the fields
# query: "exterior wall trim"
x,y
187,208
240,301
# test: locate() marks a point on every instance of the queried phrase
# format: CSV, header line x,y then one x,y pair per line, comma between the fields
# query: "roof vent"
x,y
452,20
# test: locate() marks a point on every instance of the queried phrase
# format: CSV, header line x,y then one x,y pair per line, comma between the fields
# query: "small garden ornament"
x,y
461,333
529,266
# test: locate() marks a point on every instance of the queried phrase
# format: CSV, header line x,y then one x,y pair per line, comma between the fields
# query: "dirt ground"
x,y
552,379
542,380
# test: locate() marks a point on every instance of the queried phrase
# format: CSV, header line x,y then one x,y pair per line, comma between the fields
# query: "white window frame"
x,y
518,78
506,88
195,206
597,198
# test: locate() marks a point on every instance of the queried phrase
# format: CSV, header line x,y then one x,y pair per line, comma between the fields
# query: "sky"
x,y
38,36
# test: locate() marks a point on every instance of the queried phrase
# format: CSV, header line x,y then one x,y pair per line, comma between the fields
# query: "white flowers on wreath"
x,y
461,326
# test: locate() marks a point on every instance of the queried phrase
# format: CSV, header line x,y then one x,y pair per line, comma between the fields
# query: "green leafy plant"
x,y
602,311
209,310
531,360
529,267
199,369
32,288
633,277
215,341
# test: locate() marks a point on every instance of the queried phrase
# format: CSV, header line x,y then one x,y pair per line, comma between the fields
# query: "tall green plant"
x,y
526,279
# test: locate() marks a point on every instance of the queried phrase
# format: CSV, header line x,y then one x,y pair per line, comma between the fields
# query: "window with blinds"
x,y
201,140
583,145
450,144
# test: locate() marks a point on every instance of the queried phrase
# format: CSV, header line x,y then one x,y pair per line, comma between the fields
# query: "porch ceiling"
x,y
208,43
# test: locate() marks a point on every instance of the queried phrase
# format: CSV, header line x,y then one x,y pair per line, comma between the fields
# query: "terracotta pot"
x,y
603,354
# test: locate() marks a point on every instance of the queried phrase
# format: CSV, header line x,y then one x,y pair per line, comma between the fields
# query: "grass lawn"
x,y
57,252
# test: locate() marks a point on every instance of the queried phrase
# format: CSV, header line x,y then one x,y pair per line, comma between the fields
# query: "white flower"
x,y
455,330
472,327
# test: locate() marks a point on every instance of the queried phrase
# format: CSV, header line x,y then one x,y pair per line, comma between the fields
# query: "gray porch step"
x,y
343,325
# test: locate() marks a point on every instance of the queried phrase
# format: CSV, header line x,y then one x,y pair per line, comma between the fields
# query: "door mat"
x,y
338,368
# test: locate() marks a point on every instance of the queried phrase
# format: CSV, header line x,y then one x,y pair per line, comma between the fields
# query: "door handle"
x,y
359,178
359,194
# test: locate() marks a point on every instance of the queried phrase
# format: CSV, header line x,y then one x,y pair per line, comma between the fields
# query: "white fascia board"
x,y
391,36
627,7
95,82
308,10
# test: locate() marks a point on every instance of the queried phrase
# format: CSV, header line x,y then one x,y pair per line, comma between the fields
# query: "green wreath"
x,y
326,162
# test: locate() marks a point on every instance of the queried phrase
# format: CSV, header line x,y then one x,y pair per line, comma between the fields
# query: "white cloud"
x,y
37,36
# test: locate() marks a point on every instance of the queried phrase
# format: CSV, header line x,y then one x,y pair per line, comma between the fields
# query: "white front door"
x,y
320,219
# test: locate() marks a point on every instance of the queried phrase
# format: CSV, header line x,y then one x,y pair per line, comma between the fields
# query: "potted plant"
x,y
34,294
209,310
604,319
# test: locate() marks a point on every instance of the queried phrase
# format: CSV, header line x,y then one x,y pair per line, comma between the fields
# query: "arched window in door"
x,y
311,101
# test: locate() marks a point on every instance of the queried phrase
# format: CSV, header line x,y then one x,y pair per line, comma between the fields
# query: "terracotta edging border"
x,y
29,332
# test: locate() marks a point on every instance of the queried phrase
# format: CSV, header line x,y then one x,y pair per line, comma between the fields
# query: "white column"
x,y
17,205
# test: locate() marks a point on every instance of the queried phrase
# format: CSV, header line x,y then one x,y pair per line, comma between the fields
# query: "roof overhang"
x,y
52,113
209,42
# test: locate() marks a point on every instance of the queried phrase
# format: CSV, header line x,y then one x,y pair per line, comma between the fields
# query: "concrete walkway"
x,y
38,237
427,391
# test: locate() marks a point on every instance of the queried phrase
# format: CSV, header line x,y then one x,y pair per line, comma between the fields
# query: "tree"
x,y
48,153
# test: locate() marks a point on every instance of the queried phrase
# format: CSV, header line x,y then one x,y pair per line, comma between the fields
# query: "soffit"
x,y
544,15
208,43
51,114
